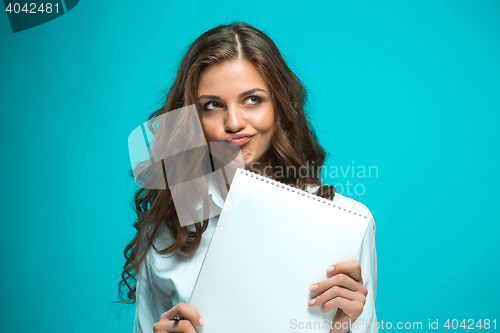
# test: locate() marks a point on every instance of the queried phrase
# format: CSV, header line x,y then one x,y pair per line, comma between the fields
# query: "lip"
x,y
241,141
239,138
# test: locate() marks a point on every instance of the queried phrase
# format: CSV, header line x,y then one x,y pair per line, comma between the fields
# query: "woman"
x,y
246,94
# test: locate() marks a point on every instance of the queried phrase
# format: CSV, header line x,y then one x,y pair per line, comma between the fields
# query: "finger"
x,y
184,326
187,311
351,308
348,267
160,327
334,292
341,280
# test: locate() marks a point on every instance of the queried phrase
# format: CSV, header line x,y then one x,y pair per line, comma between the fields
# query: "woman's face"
x,y
237,107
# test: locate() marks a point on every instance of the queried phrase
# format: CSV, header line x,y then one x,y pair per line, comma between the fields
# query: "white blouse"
x,y
165,281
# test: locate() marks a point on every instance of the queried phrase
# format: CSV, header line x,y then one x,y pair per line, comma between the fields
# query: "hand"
x,y
343,290
167,323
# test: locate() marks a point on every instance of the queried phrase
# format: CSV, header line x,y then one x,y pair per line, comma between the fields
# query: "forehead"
x,y
230,76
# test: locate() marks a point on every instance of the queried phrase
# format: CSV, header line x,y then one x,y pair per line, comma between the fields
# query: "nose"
x,y
235,119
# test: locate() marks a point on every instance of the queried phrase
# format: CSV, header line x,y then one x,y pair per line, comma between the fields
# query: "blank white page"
x,y
271,243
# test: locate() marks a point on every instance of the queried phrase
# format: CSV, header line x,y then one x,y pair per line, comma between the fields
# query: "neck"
x,y
261,167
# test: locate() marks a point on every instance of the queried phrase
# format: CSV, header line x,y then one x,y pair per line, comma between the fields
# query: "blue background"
x,y
411,87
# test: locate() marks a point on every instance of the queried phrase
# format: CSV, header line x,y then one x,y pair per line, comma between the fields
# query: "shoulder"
x,y
352,204
153,259
177,261
348,203
359,208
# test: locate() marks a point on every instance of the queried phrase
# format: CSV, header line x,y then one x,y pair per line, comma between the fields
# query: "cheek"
x,y
266,122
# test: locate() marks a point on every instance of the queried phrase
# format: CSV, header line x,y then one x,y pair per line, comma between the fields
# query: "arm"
x,y
367,257
151,299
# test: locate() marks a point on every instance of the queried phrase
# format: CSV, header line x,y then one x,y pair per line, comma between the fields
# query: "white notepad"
x,y
272,241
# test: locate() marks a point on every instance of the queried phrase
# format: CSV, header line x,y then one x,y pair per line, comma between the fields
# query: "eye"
x,y
214,105
255,100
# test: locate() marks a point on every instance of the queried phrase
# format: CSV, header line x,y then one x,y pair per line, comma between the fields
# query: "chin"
x,y
247,158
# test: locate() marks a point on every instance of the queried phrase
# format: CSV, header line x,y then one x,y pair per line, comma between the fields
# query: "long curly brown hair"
x,y
294,144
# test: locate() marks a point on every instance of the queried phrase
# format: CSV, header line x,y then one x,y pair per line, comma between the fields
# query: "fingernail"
x,y
313,287
201,321
311,302
323,310
330,269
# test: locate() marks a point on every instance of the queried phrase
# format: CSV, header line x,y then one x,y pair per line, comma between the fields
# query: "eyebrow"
x,y
248,92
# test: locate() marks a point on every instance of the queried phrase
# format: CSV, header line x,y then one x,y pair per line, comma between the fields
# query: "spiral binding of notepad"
x,y
297,190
